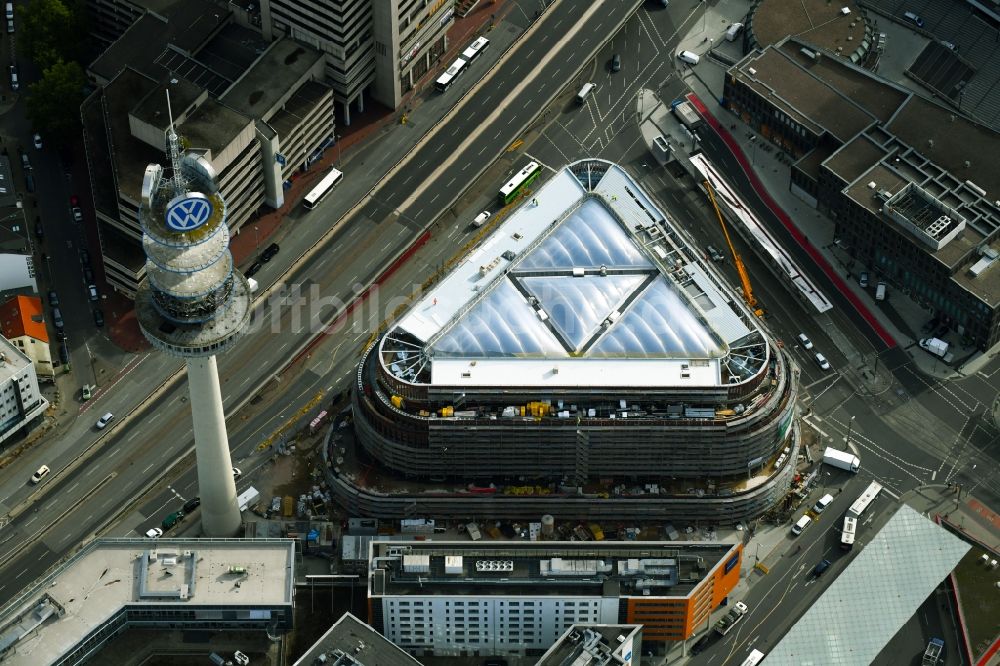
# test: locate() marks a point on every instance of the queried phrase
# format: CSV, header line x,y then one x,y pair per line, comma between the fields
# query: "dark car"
x,y
616,62
98,318
39,230
172,519
192,504
821,567
63,352
84,256
269,252
702,643
88,275
53,299
254,267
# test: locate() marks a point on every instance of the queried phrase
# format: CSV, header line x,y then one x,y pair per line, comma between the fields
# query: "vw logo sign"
x,y
188,211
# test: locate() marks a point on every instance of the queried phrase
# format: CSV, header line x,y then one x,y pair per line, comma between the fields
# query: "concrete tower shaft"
x,y
194,304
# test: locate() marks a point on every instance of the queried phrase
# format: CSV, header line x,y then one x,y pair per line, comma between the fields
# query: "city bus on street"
x,y
865,499
445,80
475,49
323,188
755,658
521,179
847,534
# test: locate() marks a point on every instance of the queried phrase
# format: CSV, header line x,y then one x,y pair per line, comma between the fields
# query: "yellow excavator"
x,y
740,268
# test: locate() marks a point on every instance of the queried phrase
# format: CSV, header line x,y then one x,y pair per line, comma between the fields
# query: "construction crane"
x,y
740,268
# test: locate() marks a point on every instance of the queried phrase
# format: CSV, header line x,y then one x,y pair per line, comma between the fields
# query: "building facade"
x,y
22,322
21,402
495,598
410,38
594,344
340,29
900,175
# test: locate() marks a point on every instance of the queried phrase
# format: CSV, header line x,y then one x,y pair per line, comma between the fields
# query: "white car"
x,y
481,219
104,420
806,342
77,214
237,474
822,362
42,472
154,533
241,658
38,141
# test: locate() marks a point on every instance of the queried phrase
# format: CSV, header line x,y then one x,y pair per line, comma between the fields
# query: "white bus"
x,y
322,189
865,499
847,535
524,177
475,49
445,80
755,658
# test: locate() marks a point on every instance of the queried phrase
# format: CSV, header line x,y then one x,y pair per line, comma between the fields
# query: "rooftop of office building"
x,y
586,283
818,21
595,645
923,156
49,618
351,642
12,360
539,569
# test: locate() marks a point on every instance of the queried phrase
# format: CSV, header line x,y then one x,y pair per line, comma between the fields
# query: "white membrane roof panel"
x,y
658,323
577,305
589,238
501,324
715,306
573,372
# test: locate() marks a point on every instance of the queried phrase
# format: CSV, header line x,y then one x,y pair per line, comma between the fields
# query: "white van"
x,y
585,91
802,523
734,31
823,502
880,291
481,219
690,57
10,11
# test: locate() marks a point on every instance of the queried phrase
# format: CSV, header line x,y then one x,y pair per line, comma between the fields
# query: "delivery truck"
x,y
841,459
936,346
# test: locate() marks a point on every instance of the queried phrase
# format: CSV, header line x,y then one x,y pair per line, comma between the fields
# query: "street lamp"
x,y
850,429
336,139
256,238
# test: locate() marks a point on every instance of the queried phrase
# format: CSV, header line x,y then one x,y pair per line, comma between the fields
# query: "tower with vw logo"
x,y
194,304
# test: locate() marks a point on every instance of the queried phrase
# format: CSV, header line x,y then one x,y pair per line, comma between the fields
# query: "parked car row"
x,y
267,255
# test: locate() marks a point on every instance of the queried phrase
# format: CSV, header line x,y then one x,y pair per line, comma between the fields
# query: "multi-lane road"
x,y
47,521
527,95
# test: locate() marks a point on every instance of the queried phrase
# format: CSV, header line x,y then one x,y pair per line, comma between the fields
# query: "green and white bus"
x,y
521,179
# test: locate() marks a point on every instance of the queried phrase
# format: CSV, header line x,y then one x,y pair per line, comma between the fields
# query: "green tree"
x,y
54,101
49,31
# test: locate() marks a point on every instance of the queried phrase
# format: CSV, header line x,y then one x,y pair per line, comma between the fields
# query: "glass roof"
x,y
501,324
650,318
589,238
576,306
657,323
